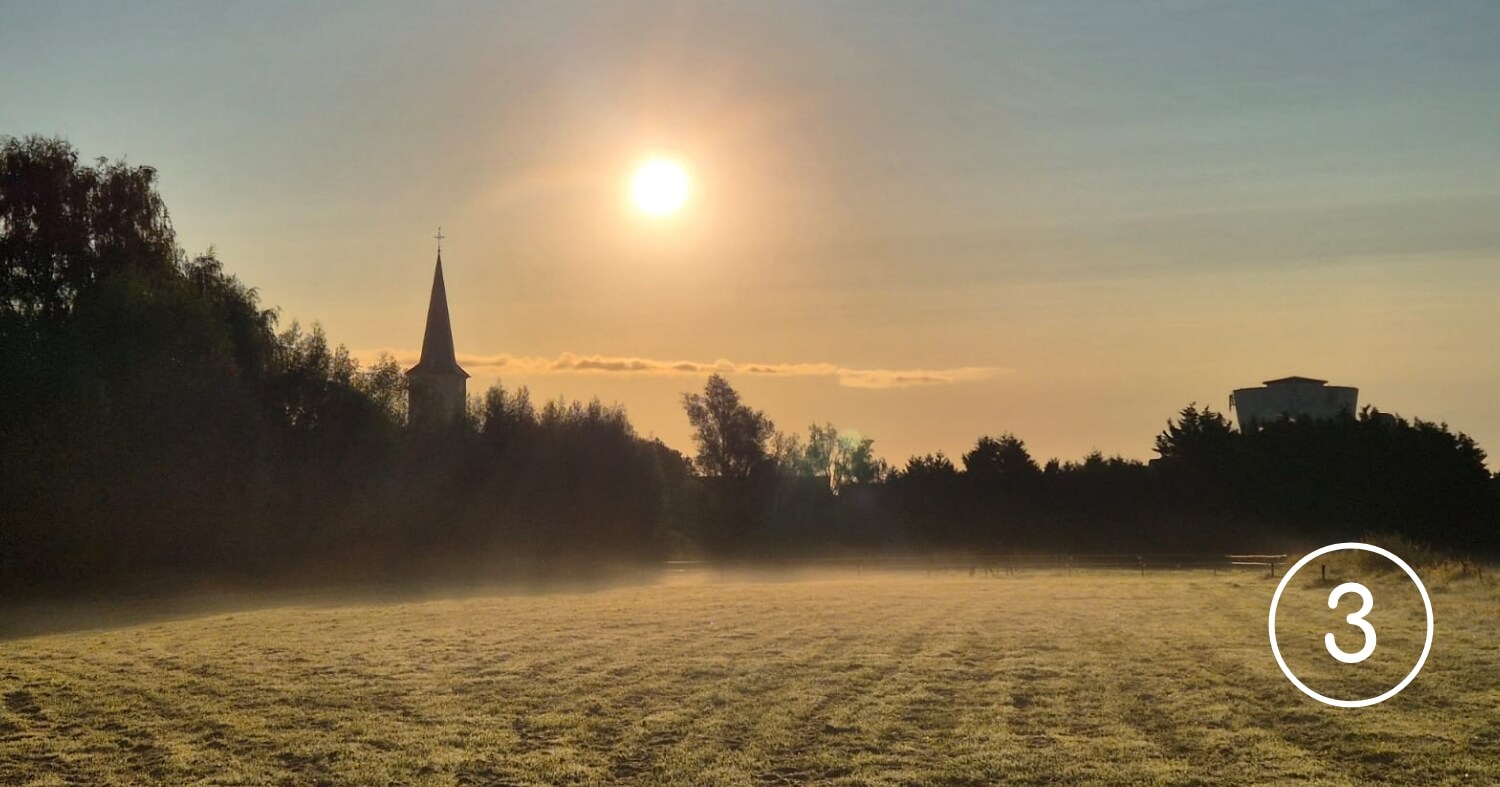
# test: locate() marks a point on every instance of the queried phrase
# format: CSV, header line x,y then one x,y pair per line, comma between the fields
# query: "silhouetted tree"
x,y
1339,477
156,424
1104,504
856,462
1197,435
385,385
732,440
1000,492
822,450
68,226
925,495
1003,458
731,436
838,458
1202,465
789,454
928,466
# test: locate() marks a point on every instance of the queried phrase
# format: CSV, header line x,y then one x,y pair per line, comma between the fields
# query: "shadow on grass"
x,y
165,602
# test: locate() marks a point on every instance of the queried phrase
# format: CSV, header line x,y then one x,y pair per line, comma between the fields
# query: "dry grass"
x,y
888,680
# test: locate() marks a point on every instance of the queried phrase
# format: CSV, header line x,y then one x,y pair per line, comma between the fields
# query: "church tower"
x,y
436,385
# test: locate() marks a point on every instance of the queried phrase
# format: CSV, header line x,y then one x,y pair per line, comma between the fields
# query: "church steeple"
x,y
436,386
438,356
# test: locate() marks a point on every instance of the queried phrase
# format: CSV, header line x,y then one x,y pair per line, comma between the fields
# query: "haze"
x,y
924,223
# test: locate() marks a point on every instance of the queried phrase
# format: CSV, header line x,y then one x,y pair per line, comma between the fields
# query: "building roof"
x,y
1295,380
437,343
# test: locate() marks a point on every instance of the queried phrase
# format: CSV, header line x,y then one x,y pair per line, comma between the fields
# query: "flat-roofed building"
x,y
1292,397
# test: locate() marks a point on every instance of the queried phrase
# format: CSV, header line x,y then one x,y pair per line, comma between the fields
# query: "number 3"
x,y
1354,619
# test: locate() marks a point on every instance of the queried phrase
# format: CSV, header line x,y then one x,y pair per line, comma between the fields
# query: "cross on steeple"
x,y
437,392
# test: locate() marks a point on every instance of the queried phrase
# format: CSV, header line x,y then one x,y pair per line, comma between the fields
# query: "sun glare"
x,y
660,187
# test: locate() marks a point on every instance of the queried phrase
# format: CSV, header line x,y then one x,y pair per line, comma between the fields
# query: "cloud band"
x,y
571,363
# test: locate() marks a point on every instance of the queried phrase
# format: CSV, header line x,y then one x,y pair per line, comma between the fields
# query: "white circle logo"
x,y
1356,619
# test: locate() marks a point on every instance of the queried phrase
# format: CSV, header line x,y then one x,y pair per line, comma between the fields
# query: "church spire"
x,y
437,342
436,394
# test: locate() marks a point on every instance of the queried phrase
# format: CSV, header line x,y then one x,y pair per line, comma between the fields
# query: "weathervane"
x,y
439,238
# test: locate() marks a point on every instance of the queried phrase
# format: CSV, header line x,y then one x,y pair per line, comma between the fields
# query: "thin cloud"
x,y
572,363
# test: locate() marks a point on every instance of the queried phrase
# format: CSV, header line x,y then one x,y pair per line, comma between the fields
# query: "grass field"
x,y
899,679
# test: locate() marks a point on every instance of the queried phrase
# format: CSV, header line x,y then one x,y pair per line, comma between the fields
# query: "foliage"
x,y
1005,458
839,458
1197,435
732,438
67,227
158,423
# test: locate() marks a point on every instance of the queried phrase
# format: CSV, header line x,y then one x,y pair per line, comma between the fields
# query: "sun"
x,y
660,187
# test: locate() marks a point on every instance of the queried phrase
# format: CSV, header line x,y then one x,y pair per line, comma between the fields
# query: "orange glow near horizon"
x,y
925,225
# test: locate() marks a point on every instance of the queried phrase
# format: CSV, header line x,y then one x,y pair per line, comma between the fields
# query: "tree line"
x,y
159,421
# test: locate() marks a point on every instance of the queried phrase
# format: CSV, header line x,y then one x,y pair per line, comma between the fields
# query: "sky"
x,y
921,222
